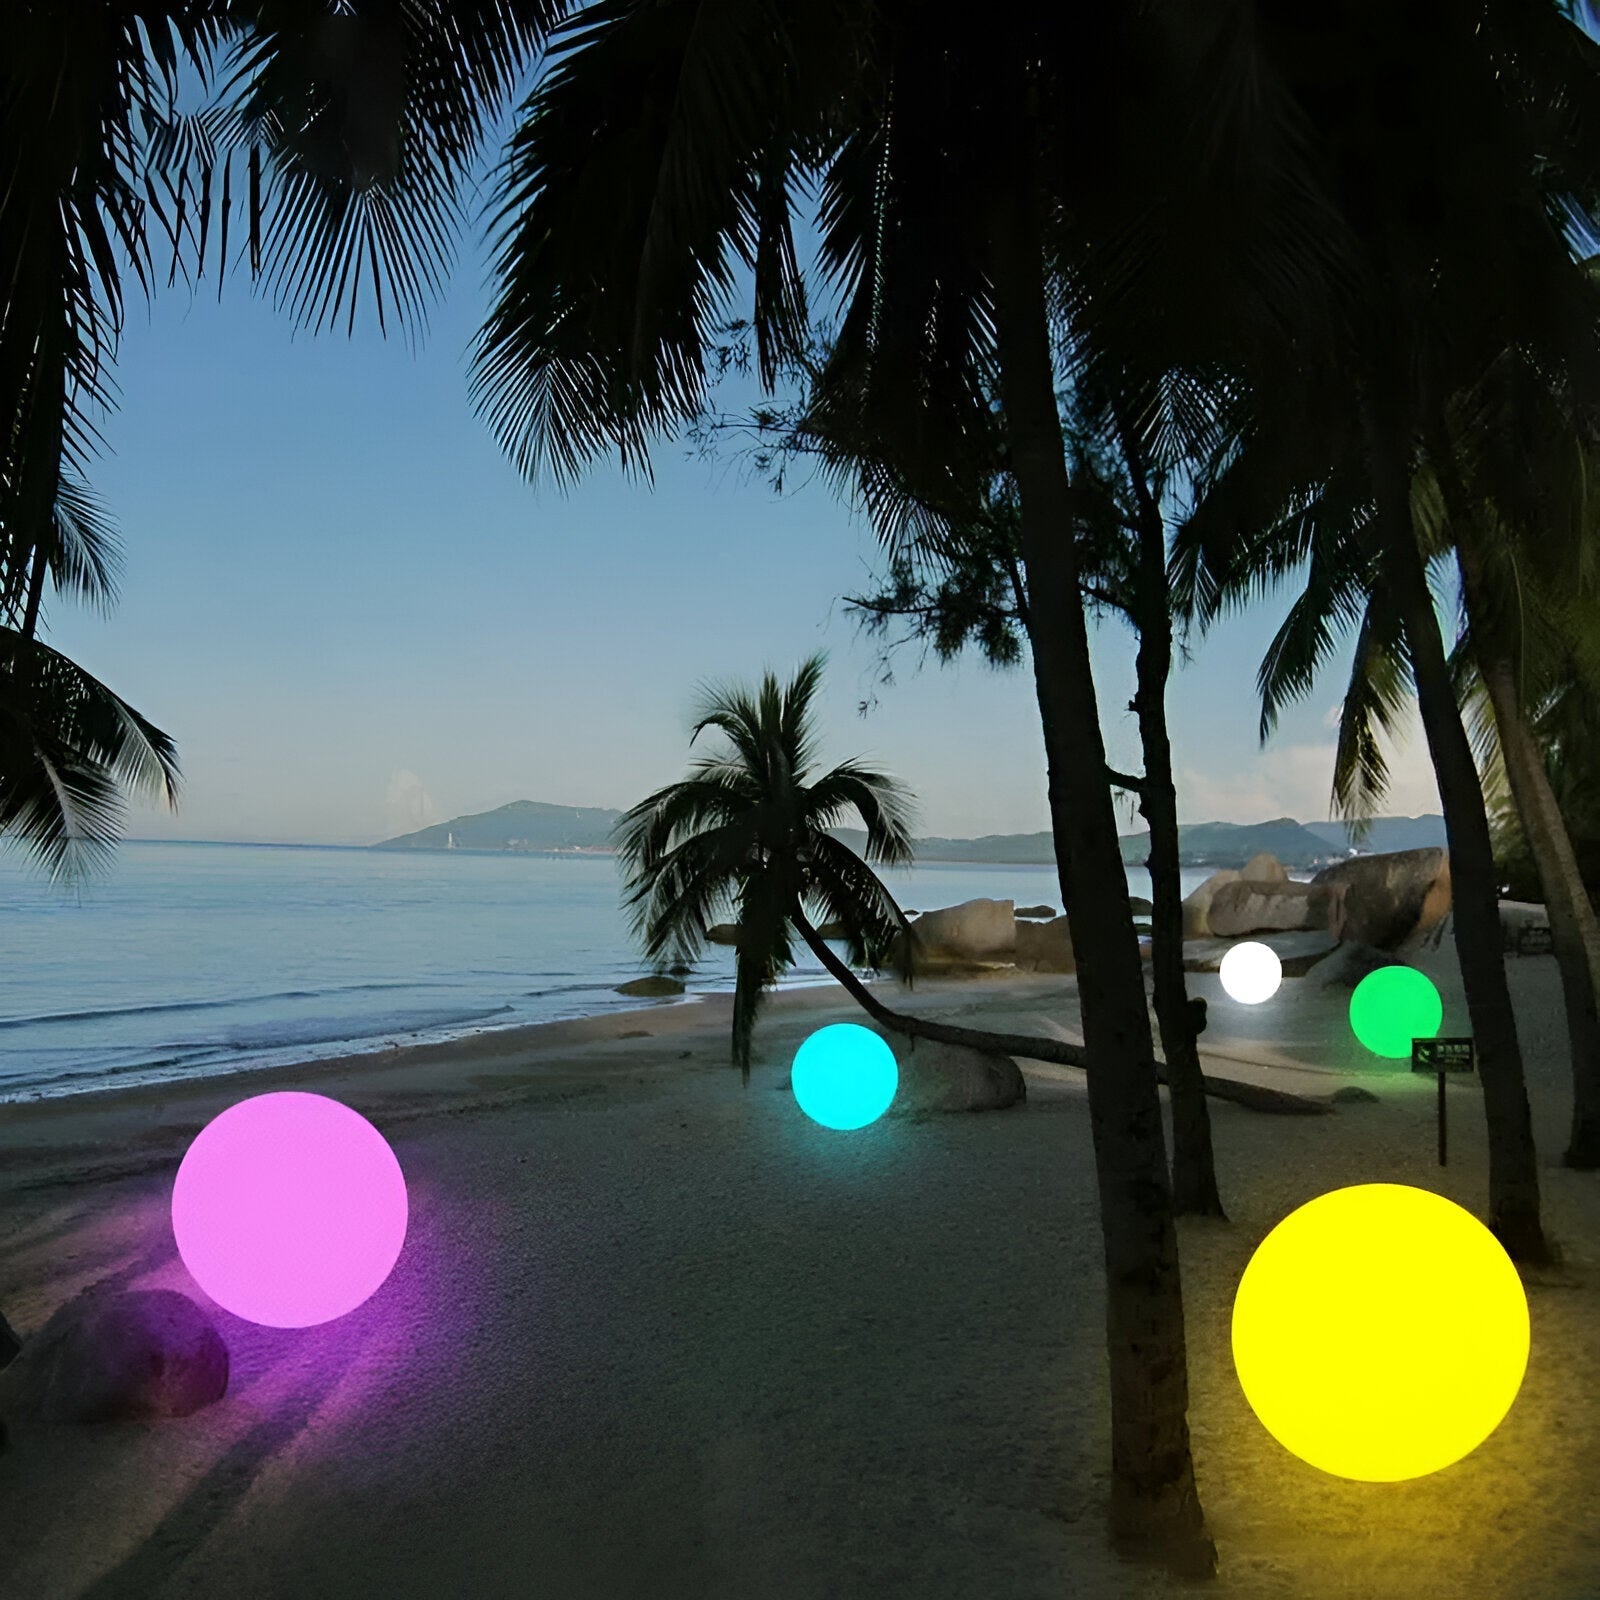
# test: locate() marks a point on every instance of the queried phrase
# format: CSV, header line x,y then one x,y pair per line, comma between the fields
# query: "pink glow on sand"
x,y
289,1209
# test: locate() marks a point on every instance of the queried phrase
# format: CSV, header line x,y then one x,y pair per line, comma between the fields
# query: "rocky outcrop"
x,y
1045,912
119,1356
723,933
1264,868
1197,904
651,988
1140,906
1263,907
1390,899
976,931
951,1077
1045,946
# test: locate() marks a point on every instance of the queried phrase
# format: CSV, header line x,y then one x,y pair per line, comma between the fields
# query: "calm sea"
x,y
191,959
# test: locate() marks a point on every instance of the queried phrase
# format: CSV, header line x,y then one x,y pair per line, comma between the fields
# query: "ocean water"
x,y
190,959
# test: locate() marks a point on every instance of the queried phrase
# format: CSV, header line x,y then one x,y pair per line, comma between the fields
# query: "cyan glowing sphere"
x,y
1380,1332
844,1076
1251,972
1391,1007
289,1209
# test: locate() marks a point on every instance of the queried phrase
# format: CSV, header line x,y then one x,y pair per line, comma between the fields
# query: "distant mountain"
x,y
531,825
1386,834
522,825
1299,846
1231,844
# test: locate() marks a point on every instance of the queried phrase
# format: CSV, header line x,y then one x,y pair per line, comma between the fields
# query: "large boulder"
x,y
119,1356
723,933
1245,907
1264,868
1045,912
974,931
1197,903
1390,899
952,1077
1045,946
653,988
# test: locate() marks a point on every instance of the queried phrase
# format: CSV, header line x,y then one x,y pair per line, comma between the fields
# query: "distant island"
x,y
533,827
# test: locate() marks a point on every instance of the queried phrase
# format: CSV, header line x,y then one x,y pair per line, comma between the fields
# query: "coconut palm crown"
x,y
749,828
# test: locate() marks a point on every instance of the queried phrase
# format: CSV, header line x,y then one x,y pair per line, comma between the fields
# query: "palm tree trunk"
x,y
1574,928
1513,1165
1155,1505
1194,1170
1249,1095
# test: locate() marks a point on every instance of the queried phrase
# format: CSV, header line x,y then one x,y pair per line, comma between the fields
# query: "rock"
x,y
1045,946
651,988
831,930
1352,1095
1297,951
1036,911
723,933
10,1344
910,913
680,969
120,1356
1264,868
952,1077
975,930
1139,906
1347,964
1197,904
1390,898
1258,907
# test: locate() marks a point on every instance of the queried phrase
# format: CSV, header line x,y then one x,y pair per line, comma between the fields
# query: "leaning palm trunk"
x,y
1155,1505
1574,928
1249,1095
1513,1165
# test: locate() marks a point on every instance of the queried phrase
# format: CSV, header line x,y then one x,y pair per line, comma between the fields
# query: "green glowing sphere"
x,y
1393,1006
844,1076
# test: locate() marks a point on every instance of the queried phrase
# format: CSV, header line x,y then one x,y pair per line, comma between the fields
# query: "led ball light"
x,y
1251,972
1392,1006
289,1209
844,1076
1380,1332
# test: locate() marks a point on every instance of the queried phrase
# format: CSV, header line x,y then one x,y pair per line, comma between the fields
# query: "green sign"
x,y
1442,1055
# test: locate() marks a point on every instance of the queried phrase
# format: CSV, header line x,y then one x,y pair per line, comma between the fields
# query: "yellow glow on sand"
x,y
1380,1332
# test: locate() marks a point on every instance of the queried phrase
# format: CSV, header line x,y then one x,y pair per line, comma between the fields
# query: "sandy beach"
x,y
656,1334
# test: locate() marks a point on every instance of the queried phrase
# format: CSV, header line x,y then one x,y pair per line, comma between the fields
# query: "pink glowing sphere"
x,y
289,1209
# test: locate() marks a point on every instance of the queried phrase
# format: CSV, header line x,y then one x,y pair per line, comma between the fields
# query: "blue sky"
x,y
356,618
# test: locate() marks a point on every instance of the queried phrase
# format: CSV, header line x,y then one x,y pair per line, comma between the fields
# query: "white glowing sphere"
x,y
1251,973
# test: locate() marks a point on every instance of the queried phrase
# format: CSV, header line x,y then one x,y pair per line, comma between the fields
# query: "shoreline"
x,y
479,1070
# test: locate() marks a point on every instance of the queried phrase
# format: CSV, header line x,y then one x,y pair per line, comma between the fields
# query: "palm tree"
x,y
751,825
656,153
331,149
1510,494
956,570
748,829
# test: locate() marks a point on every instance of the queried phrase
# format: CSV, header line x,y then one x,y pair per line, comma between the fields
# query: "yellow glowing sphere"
x,y
1380,1332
